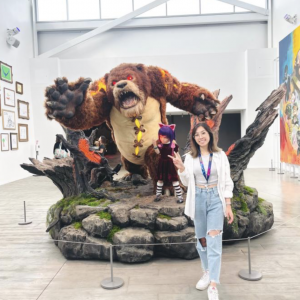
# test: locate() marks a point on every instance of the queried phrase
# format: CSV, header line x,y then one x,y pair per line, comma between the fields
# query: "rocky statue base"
x,y
136,219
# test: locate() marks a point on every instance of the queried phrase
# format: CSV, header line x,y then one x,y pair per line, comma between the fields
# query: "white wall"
x,y
160,41
15,13
260,77
282,28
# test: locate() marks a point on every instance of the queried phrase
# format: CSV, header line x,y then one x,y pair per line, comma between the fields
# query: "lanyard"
x,y
206,176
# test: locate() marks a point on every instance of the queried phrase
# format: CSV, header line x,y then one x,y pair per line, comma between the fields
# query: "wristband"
x,y
155,148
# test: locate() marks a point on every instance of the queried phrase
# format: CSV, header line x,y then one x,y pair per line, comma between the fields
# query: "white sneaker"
x,y
212,293
204,282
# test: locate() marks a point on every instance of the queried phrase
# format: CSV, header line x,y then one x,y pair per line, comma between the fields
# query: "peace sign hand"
x,y
177,161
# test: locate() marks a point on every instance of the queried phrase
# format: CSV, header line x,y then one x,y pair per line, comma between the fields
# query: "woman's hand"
x,y
229,214
177,161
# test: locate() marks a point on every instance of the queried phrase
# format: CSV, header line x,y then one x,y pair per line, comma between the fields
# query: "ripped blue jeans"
x,y
209,216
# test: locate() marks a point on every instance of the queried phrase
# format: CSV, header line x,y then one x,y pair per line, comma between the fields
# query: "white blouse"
x,y
199,178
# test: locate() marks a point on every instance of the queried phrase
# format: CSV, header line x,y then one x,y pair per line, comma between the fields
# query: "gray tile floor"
x,y
31,266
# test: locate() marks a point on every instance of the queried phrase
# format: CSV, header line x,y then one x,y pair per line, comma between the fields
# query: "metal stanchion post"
x,y
272,168
280,170
25,223
294,174
249,274
112,283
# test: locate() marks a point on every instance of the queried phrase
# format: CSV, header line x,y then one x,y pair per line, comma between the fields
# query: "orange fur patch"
x,y
210,123
101,86
84,147
163,73
230,149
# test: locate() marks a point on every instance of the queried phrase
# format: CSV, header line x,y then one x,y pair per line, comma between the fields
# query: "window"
x,y
260,3
112,9
158,11
52,10
83,10
215,7
183,7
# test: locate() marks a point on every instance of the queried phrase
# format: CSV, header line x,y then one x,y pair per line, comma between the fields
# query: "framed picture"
x,y
19,88
9,97
13,141
23,132
8,119
4,142
6,72
23,110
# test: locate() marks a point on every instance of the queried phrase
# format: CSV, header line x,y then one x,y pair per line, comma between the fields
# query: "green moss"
x,y
104,215
113,231
249,190
241,198
138,195
106,203
260,200
260,209
77,225
234,224
69,204
137,207
161,216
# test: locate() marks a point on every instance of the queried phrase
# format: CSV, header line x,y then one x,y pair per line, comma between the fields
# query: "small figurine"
x,y
166,172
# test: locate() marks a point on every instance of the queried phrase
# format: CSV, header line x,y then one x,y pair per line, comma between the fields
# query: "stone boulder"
x,y
70,234
133,254
174,224
96,226
140,217
186,251
83,211
120,214
96,249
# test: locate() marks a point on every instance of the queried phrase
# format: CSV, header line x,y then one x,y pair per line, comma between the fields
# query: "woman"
x,y
206,172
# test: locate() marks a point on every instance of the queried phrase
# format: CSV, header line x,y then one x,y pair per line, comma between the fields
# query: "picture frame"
x,y
8,119
4,142
23,110
23,132
6,72
19,88
9,97
13,141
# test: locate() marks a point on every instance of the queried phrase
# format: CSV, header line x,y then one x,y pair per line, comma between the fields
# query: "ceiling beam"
x,y
155,22
105,27
248,6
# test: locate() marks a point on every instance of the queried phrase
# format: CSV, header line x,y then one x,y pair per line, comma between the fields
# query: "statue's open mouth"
x,y
128,99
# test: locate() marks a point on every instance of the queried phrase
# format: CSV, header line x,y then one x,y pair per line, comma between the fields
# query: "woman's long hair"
x,y
212,146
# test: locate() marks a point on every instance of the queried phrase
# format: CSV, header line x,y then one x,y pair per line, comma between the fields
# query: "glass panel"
x,y
183,7
83,10
260,3
215,7
158,11
52,10
112,9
